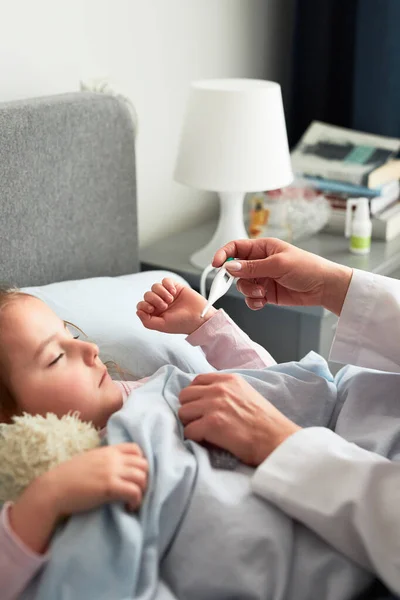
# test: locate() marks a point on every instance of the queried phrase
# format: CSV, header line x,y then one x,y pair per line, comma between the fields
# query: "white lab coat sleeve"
x,y
347,495
368,331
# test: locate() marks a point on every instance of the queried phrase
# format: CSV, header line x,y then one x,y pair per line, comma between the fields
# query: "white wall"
x,y
150,50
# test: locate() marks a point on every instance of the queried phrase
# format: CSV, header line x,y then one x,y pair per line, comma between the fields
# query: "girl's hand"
x,y
111,473
172,307
99,476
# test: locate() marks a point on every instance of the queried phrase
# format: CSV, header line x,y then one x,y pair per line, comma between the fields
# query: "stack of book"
x,y
344,164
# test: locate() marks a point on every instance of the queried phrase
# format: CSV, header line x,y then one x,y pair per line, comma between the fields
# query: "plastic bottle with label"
x,y
358,226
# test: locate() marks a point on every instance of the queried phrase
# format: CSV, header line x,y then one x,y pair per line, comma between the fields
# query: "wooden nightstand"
x,y
287,332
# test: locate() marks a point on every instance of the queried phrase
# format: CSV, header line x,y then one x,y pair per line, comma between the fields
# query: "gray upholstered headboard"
x,y
67,189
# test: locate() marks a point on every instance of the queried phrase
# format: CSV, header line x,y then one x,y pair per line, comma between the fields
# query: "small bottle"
x,y
258,216
358,227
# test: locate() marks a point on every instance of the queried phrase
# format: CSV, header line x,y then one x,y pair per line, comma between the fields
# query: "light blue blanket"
x,y
201,533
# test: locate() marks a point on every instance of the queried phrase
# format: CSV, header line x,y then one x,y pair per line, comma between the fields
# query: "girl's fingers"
x,y
144,317
138,462
136,476
145,307
156,301
129,492
162,292
170,285
129,448
160,296
151,322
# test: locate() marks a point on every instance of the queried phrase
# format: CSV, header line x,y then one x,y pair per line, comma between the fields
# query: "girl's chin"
x,y
112,404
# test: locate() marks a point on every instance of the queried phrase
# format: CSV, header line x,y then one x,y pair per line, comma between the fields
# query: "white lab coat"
x,y
347,495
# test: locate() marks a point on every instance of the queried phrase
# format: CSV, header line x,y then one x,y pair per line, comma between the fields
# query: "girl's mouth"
x,y
103,377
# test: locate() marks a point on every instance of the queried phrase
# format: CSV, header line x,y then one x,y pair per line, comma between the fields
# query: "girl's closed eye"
x,y
53,362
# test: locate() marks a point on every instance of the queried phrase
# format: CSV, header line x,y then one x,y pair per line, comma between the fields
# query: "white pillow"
x,y
105,309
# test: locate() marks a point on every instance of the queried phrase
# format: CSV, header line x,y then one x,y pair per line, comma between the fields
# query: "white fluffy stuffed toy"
x,y
30,446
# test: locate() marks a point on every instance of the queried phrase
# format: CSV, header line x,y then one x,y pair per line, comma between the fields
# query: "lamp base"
x,y
230,227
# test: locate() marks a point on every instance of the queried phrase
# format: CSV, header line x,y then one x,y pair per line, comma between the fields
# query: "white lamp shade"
x,y
234,137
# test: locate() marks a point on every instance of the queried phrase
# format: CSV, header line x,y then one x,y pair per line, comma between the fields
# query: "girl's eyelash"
x,y
56,359
76,337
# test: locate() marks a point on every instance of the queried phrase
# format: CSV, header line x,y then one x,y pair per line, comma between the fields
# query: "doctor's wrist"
x,y
336,283
264,447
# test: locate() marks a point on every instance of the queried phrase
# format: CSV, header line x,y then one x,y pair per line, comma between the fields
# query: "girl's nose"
x,y
90,352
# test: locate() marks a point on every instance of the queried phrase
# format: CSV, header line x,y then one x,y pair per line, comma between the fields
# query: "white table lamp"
x,y
233,141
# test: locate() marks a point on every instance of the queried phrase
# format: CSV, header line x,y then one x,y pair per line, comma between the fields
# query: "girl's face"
x,y
50,371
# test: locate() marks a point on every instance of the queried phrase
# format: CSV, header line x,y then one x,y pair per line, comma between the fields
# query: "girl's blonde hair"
x,y
8,404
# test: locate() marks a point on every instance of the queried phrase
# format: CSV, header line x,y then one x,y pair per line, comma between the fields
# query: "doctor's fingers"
x,y
207,385
197,431
193,394
206,379
215,427
255,292
248,249
213,413
256,303
235,249
192,411
252,288
211,402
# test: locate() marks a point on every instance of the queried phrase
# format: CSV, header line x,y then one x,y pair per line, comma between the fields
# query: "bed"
x,y
68,227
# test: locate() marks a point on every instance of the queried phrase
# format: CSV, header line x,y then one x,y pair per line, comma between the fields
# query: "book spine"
x,y
376,205
339,175
329,185
345,176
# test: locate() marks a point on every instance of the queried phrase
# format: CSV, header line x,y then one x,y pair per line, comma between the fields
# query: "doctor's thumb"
x,y
251,269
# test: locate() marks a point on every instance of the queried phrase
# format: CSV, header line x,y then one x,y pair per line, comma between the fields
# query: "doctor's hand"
x,y
224,410
275,272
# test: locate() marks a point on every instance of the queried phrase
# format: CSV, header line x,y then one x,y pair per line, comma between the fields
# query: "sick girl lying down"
x,y
155,511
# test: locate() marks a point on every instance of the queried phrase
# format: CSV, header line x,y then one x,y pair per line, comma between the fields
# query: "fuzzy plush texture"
x,y
32,445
